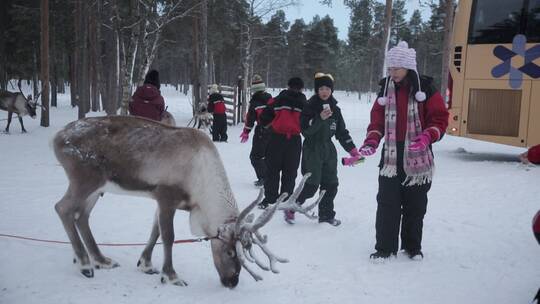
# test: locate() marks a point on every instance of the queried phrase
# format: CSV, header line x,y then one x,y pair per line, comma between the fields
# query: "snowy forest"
x,y
103,48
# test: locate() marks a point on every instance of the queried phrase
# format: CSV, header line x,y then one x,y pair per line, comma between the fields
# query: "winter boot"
x,y
264,204
331,221
259,183
415,255
381,256
289,217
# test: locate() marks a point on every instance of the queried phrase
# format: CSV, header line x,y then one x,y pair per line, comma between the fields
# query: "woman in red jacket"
x,y
147,100
411,115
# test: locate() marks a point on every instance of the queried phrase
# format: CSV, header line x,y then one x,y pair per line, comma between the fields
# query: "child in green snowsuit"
x,y
320,120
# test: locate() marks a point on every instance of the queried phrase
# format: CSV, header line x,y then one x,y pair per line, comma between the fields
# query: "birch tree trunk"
x,y
53,68
94,58
84,87
45,63
245,65
447,41
195,80
204,51
386,36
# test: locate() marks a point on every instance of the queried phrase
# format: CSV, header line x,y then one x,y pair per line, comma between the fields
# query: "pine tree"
x,y
358,50
415,29
400,31
275,49
296,49
322,47
429,53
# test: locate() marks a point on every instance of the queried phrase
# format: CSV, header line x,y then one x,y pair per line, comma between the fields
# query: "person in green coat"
x,y
320,120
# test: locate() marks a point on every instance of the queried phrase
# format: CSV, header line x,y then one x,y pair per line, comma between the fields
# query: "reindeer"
x,y
19,104
172,165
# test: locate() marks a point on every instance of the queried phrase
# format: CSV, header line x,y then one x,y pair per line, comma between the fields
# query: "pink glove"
x,y
420,143
244,136
351,161
354,152
369,147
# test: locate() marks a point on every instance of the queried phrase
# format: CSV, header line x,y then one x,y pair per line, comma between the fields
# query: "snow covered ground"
x,y
478,243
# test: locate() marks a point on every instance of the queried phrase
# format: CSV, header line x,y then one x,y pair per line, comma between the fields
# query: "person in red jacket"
x,y
282,117
532,156
257,104
536,231
216,106
147,100
411,115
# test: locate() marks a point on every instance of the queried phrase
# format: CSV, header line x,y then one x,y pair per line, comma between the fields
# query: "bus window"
x,y
533,22
495,21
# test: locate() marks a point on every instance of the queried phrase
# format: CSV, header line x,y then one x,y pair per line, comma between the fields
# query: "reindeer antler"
x,y
292,205
247,229
19,86
247,233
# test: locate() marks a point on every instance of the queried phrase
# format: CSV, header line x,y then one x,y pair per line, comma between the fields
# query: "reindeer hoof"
x,y
89,273
106,264
146,267
175,281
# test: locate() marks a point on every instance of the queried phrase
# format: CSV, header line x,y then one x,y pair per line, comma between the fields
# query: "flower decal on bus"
x,y
529,68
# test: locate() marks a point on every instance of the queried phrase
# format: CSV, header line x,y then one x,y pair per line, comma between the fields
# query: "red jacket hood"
x,y
147,91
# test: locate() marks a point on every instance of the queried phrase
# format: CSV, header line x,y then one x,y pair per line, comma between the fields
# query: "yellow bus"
x,y
494,82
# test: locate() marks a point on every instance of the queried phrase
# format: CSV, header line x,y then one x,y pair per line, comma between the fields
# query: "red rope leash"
x,y
196,240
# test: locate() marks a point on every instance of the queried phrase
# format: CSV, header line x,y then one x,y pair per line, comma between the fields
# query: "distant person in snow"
x,y
257,104
216,106
321,120
411,115
531,156
147,100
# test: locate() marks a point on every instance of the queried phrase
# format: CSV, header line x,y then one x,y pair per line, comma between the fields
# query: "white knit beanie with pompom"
x,y
401,56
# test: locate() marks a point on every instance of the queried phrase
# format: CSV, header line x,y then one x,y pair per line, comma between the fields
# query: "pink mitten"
x,y
351,161
354,152
420,143
244,136
369,147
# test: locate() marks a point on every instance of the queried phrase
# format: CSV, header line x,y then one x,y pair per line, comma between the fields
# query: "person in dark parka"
x,y
147,100
321,120
257,104
216,106
282,118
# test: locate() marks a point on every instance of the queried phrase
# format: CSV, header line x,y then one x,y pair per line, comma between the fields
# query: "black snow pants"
x,y
219,127
397,203
258,151
282,156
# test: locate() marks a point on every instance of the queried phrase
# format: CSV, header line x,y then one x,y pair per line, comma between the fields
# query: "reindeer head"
x,y
30,106
234,244
225,257
233,247
29,103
